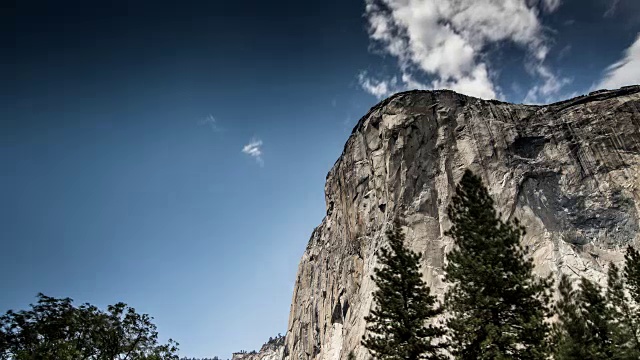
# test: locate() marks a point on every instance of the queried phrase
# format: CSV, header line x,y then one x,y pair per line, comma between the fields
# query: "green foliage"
x,y
396,325
498,307
631,273
570,330
586,329
592,309
593,324
620,315
55,329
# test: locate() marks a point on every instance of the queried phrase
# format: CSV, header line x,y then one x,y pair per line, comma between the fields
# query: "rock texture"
x,y
272,350
569,171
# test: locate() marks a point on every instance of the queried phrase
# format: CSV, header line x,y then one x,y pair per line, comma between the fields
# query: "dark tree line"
x,y
496,308
55,329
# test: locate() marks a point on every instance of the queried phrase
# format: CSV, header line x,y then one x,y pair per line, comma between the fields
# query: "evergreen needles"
x,y
595,324
397,325
497,306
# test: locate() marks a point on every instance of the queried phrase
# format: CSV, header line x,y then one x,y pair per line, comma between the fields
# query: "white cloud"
x,y
211,122
447,40
378,88
624,72
254,149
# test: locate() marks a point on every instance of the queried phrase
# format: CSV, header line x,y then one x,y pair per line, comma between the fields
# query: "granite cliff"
x,y
570,171
271,350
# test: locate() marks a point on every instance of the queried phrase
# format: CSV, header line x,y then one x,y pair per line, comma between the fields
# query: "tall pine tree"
x,y
397,324
618,314
498,307
631,273
570,331
592,325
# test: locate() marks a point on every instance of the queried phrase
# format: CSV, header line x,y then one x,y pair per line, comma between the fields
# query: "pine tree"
x,y
498,307
621,317
593,309
631,273
570,329
586,329
397,324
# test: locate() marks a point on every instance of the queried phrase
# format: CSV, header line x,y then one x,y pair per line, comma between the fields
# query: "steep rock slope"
x,y
272,350
569,171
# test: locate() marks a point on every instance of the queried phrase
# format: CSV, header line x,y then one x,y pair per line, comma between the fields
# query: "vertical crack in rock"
x,y
569,171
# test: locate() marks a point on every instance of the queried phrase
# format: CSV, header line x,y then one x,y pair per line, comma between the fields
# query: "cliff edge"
x,y
570,171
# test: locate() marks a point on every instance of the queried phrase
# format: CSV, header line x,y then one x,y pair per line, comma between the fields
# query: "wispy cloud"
x,y
211,122
611,8
445,42
551,5
624,72
546,91
376,87
254,149
564,52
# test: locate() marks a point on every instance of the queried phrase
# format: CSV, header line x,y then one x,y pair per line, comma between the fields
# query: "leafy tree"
x,y
55,329
397,325
498,307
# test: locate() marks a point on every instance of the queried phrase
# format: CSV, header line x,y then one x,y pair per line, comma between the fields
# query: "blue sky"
x,y
172,155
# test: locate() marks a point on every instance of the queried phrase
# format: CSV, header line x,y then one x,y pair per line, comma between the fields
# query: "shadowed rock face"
x,y
569,171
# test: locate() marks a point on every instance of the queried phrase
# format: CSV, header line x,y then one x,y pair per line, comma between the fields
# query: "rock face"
x,y
272,350
271,353
569,171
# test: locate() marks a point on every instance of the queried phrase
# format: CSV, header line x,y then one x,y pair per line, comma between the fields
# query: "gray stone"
x,y
269,351
570,171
